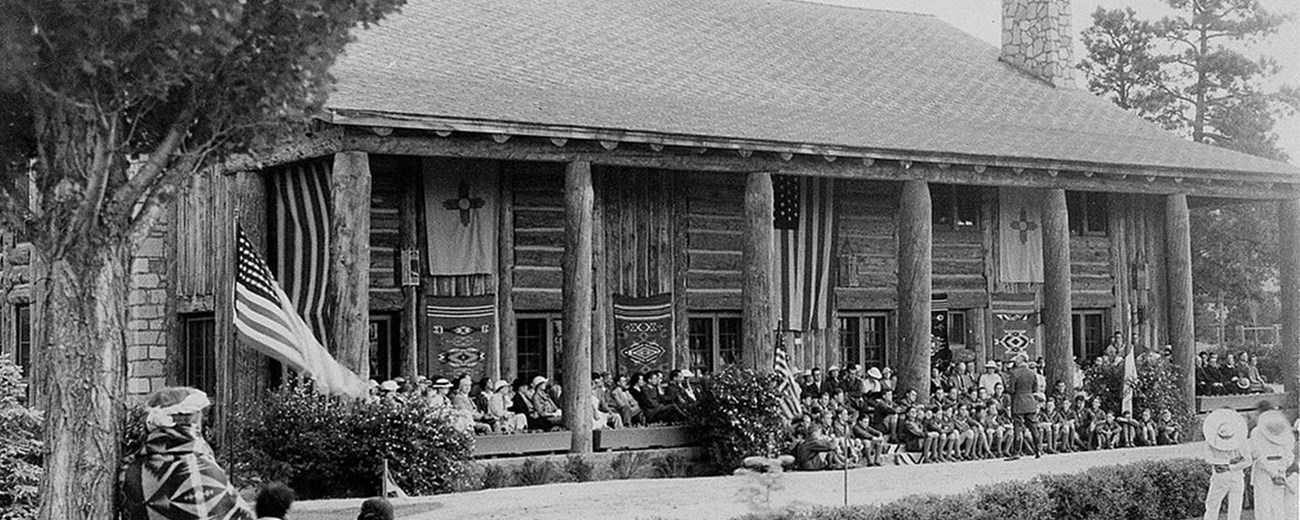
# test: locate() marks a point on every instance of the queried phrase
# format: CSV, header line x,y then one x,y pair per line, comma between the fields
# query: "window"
x,y
23,339
714,341
538,340
385,350
198,355
1089,334
948,329
955,207
1088,213
862,339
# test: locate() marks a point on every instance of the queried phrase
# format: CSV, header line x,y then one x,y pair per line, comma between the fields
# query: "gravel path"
x,y
717,498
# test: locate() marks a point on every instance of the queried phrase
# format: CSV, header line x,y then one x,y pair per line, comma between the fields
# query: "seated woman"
x,y
481,422
176,458
496,398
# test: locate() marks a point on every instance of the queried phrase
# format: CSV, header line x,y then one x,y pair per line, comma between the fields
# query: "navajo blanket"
x,y
176,477
1015,324
461,329
643,332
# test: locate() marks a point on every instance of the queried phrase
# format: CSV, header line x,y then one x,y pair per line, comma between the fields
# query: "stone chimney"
x,y
1036,39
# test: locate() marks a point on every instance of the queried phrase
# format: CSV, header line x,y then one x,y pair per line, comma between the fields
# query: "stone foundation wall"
x,y
1036,38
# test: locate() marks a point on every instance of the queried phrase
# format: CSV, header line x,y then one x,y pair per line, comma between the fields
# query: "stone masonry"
x,y
147,315
1036,39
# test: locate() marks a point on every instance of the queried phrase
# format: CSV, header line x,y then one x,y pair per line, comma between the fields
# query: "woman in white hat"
x,y
1271,445
1225,440
175,475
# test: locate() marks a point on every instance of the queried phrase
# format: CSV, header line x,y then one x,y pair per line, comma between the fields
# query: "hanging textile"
x,y
643,332
460,330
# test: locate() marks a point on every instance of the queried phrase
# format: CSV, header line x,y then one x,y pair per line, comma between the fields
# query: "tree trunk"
x,y
348,293
1058,352
1288,230
84,381
1178,244
915,273
576,397
758,350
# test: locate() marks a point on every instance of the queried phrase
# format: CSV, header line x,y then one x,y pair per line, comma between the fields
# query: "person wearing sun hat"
x,y
1227,453
1271,444
175,458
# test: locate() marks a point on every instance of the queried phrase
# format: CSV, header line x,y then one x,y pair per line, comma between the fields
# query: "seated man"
x,y
652,402
818,451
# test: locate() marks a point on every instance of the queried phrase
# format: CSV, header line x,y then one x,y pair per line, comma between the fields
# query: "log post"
x,y
1288,230
1057,329
599,259
756,288
509,364
348,294
914,285
1178,250
409,211
576,293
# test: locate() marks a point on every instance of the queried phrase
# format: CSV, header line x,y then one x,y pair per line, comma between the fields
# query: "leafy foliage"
x,y
737,416
672,465
1156,388
496,476
536,472
578,468
20,446
325,446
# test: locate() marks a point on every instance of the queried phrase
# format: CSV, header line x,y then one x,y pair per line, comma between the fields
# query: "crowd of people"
x,y
532,403
852,416
1235,374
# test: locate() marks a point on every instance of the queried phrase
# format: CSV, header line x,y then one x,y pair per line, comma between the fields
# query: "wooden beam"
x,y
756,286
1288,214
409,228
1058,353
506,333
576,293
1178,253
347,297
600,268
681,261
915,239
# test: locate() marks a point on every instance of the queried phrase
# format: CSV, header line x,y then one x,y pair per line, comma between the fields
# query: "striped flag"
x,y
790,407
301,222
266,321
804,220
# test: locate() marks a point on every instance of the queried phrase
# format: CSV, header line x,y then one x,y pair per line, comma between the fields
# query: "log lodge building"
x,y
511,188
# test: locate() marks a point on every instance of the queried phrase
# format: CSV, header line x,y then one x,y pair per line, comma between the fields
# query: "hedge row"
x,y
1154,490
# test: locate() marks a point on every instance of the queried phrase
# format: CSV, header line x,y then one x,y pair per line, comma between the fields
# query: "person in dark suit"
x,y
1022,387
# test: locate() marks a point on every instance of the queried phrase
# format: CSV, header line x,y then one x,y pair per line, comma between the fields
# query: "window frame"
x,y
23,339
392,321
947,208
190,374
859,344
1080,336
716,361
1083,208
552,340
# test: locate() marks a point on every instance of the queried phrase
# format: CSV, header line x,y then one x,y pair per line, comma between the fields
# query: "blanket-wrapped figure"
x,y
175,475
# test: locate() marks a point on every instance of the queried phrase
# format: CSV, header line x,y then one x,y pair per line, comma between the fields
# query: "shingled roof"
x,y
764,70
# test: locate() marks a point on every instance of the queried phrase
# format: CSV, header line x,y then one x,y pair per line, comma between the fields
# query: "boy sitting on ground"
x,y
818,451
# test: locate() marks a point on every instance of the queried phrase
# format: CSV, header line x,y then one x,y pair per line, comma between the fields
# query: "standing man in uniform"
x,y
1022,387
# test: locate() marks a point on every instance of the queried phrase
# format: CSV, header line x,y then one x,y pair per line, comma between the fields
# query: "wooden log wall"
x,y
641,241
538,234
714,223
959,260
1138,266
867,246
391,179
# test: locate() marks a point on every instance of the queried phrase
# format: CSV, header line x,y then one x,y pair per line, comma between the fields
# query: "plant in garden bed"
x,y
20,446
327,446
578,469
1156,388
535,472
627,465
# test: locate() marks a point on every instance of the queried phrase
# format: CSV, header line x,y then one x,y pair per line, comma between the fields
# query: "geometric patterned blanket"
x,y
643,332
176,477
462,329
1015,323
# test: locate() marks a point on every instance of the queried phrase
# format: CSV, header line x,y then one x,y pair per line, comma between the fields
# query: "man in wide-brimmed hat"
x,y
1225,440
1271,445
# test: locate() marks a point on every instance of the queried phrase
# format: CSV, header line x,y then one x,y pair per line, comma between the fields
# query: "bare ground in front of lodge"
x,y
717,498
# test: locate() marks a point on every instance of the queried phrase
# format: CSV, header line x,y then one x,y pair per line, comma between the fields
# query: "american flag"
x,y
300,221
805,225
266,321
790,407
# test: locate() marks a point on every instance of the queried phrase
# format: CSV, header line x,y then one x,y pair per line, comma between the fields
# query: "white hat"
x,y
833,368
1224,429
686,372
442,383
388,386
1273,426
537,380
874,373
990,364
499,385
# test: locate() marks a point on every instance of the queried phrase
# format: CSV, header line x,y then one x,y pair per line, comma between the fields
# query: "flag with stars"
x,y
804,222
460,213
1020,235
265,320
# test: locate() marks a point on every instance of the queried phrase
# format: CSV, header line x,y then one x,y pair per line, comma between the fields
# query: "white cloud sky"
x,y
982,18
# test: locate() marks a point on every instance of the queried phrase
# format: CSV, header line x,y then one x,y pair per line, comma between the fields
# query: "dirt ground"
x,y
719,498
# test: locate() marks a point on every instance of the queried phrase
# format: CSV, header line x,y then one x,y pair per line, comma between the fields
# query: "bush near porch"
x,y
20,446
1150,490
736,416
1156,388
330,447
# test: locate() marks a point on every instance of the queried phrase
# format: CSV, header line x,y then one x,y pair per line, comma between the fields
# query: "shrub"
x,y
535,472
1156,388
20,446
672,465
496,476
328,446
1012,501
928,507
578,469
627,465
736,417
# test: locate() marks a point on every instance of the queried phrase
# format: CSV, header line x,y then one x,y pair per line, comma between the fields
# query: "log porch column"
x,y
915,236
758,351
1057,330
1178,250
348,294
576,293
1288,229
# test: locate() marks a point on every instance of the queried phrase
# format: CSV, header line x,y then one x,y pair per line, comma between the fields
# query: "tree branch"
x,y
125,197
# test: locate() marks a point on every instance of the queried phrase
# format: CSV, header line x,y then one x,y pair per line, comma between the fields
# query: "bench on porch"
x,y
1242,402
541,443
